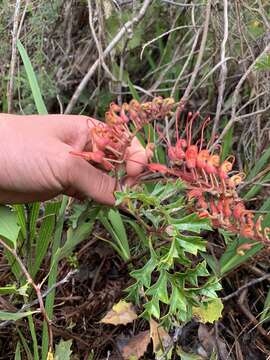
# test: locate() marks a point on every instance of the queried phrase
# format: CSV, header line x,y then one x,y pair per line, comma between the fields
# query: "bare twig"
x,y
98,45
43,295
235,95
250,283
13,55
186,63
250,316
223,70
181,4
161,35
200,55
136,19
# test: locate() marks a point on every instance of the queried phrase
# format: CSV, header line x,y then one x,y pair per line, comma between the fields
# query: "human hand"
x,y
36,165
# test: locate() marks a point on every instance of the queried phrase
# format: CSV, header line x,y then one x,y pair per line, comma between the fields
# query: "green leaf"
x,y
8,316
117,223
168,259
113,223
191,223
152,308
62,350
132,89
159,289
209,312
18,352
143,275
7,290
77,211
25,345
178,301
260,164
9,228
53,274
263,64
231,259
139,231
265,315
74,238
191,244
186,356
256,188
40,105
45,234
21,219
227,144
35,207
193,274
210,288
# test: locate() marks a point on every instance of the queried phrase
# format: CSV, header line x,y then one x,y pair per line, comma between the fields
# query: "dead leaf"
x,y
122,313
136,346
209,341
161,339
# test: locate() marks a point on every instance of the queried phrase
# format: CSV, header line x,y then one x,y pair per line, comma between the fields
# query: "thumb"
x,y
87,181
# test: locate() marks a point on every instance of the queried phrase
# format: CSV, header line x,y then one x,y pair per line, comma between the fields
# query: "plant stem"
x,y
36,288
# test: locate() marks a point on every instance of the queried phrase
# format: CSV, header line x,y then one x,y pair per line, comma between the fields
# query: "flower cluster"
x,y
111,139
211,184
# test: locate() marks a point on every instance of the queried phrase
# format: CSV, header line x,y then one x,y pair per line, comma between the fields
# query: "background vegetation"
x,y
84,54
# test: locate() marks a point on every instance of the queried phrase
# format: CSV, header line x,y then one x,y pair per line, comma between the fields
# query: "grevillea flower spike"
x,y
210,184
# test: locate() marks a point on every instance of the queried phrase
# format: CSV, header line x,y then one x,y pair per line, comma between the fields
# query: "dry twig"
x,y
13,55
223,69
136,19
36,288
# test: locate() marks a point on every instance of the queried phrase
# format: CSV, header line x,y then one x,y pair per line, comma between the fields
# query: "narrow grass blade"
x,y
227,144
45,234
18,352
53,274
40,105
33,219
263,161
21,219
25,346
132,89
9,316
34,336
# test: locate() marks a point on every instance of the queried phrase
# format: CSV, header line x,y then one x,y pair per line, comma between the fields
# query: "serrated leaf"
x,y
168,259
63,350
191,223
178,303
193,274
143,275
209,312
191,244
159,289
122,313
152,308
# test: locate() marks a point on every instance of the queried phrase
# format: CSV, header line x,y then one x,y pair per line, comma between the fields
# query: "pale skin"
x,y
36,164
